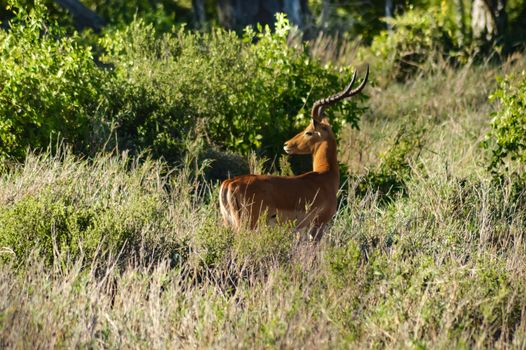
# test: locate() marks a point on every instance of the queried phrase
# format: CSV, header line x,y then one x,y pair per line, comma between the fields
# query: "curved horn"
x,y
362,85
319,106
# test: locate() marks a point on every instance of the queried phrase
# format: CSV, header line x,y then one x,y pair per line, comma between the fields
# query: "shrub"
x,y
66,208
416,37
50,85
394,170
158,91
242,95
506,140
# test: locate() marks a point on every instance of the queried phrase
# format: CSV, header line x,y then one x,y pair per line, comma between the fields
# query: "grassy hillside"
x,y
129,253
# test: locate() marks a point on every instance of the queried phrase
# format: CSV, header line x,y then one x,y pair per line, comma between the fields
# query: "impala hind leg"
x,y
229,203
316,232
222,203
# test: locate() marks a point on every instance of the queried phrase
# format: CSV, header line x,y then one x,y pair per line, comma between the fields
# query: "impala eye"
x,y
308,133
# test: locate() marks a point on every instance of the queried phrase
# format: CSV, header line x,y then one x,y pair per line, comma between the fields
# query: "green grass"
x,y
114,252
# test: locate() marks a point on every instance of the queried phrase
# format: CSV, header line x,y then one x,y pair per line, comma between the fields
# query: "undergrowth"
x,y
123,252
425,251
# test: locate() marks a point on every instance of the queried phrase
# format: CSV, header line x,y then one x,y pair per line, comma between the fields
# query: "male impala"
x,y
308,199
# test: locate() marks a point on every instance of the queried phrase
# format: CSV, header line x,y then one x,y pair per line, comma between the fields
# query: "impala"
x,y
308,199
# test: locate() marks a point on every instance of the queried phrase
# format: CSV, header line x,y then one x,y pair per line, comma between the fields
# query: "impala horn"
x,y
319,106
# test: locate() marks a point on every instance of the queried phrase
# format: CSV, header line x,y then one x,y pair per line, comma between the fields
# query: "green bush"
x,y
68,208
506,139
389,177
417,36
50,86
238,93
158,91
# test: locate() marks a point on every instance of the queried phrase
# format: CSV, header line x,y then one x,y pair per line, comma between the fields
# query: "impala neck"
x,y
324,160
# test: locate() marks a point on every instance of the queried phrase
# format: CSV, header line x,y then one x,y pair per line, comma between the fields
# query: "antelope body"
x,y
308,199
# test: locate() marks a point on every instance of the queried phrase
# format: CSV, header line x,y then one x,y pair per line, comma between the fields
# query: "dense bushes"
x,y
506,139
156,91
418,38
240,94
50,86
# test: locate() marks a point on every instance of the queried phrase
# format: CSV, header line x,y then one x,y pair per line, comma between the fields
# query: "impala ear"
x,y
325,120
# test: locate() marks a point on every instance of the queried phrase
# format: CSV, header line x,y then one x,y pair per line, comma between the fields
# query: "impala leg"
x,y
316,232
224,205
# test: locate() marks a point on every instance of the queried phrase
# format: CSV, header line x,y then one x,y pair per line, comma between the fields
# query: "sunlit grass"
x,y
127,253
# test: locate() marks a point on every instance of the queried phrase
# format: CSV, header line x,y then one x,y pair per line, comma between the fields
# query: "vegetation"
x,y
114,251
53,91
242,96
110,235
418,36
245,96
506,140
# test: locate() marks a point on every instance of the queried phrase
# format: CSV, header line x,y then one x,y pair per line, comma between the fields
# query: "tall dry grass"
x,y
114,252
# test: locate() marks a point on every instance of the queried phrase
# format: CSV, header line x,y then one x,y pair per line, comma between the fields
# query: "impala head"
x,y
319,129
306,141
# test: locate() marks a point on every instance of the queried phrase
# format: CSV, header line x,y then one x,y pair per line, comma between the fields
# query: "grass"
x,y
125,253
